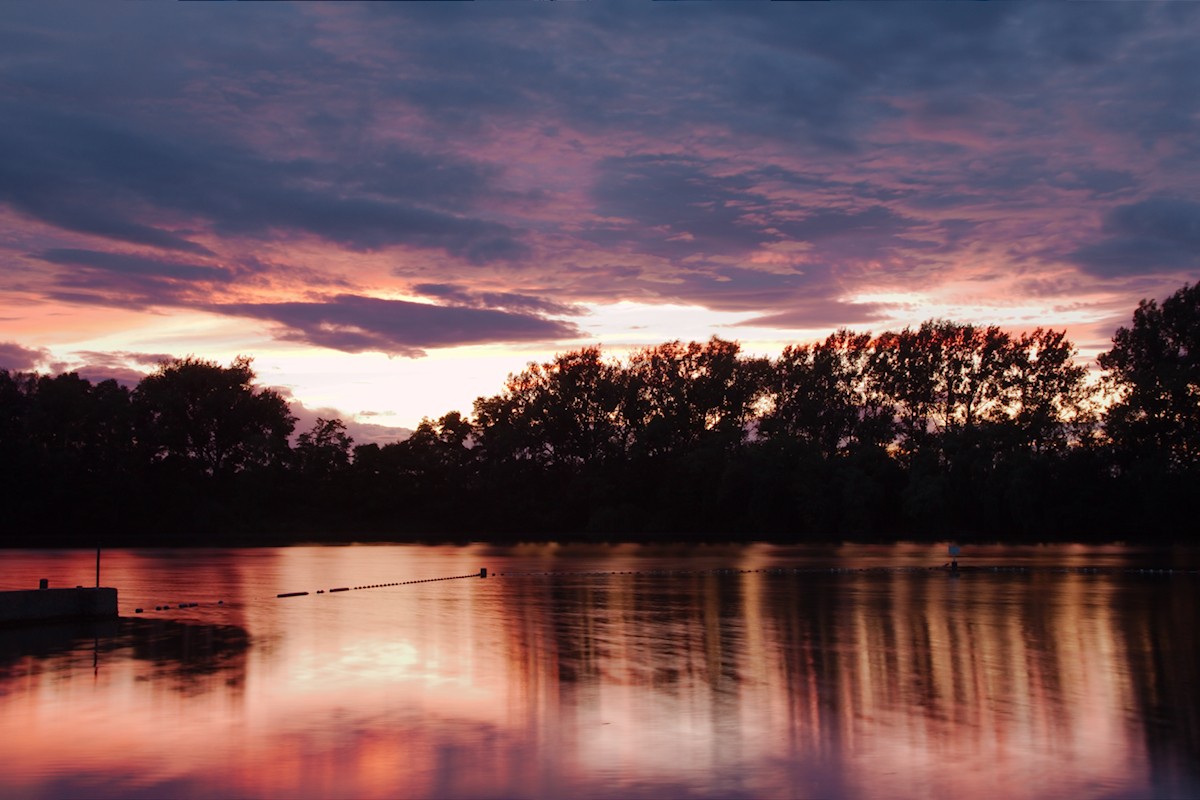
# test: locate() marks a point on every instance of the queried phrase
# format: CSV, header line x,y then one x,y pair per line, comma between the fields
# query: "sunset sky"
x,y
390,207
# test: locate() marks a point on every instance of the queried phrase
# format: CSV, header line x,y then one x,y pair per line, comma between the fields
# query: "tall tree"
x,y
678,395
821,395
324,450
945,378
1153,369
1049,399
563,412
904,368
201,416
445,445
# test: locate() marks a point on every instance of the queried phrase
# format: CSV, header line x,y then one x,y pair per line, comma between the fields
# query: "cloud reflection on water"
x,y
595,682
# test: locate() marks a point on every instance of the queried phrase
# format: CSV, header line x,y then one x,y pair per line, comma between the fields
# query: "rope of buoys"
x,y
169,607
483,573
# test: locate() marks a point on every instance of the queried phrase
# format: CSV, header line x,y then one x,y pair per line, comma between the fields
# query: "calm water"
x,y
609,672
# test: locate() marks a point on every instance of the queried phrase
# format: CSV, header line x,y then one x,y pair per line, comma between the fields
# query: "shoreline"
x,y
227,540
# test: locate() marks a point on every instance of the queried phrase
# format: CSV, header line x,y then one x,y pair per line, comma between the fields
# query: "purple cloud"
x,y
135,265
673,206
762,158
125,280
93,175
397,327
124,367
15,358
459,295
1155,235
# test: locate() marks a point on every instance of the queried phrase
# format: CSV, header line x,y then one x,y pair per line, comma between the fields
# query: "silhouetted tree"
x,y
678,395
443,445
66,448
17,398
822,395
904,366
318,484
1154,370
211,419
1048,398
944,377
324,450
561,413
943,429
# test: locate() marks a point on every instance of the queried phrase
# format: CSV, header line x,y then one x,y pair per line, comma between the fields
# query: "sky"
x,y
391,207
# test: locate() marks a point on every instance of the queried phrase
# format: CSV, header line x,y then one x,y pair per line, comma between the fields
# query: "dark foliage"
x,y
1154,369
946,430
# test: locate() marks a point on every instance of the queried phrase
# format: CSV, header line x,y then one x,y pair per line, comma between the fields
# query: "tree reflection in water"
x,y
610,671
185,654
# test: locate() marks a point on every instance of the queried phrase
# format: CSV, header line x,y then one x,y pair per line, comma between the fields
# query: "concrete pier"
x,y
45,605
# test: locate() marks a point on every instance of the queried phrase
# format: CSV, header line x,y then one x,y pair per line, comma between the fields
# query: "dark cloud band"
x,y
357,324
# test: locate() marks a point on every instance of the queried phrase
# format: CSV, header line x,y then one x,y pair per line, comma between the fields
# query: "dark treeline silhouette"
x,y
942,430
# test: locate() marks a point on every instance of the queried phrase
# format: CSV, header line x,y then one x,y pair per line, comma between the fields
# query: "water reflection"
x,y
181,653
627,672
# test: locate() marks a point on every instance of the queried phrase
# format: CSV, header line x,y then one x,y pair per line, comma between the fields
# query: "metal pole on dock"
x,y
97,565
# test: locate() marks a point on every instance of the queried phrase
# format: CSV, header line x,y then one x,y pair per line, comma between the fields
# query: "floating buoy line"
x,y
483,573
777,571
169,606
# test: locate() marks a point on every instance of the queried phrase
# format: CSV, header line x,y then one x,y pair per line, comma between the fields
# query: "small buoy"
x,y
137,611
220,602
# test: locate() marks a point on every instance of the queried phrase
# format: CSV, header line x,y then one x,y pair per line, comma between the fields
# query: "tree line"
x,y
945,429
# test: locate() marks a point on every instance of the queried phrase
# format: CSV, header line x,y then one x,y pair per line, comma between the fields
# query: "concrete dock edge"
x,y
45,605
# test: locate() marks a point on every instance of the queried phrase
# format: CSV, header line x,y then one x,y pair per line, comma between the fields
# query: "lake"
x,y
754,671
